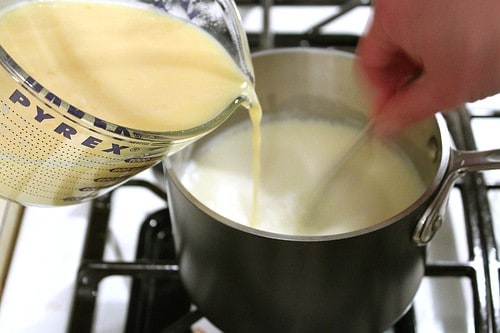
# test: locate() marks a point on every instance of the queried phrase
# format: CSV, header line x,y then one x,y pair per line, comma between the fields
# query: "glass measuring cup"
x,y
54,153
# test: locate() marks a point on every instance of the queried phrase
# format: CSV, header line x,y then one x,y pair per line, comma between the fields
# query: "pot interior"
x,y
322,84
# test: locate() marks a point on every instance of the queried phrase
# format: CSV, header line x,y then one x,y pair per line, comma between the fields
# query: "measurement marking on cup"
x,y
5,108
54,163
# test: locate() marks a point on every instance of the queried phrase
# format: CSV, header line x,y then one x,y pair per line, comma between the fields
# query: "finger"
x,y
385,67
412,103
373,58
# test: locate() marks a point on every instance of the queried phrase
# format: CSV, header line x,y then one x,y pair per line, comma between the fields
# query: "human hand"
x,y
424,56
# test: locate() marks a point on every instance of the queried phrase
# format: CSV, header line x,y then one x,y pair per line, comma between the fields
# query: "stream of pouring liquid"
x,y
255,113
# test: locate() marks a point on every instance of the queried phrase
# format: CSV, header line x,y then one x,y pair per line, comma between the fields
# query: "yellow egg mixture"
x,y
124,64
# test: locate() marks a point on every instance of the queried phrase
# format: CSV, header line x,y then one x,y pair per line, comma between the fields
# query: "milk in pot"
x,y
296,156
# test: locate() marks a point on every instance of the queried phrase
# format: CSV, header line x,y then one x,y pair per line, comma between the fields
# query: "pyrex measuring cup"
x,y
54,153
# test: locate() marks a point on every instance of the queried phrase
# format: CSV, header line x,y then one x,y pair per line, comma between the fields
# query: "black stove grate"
x,y
480,212
312,36
476,213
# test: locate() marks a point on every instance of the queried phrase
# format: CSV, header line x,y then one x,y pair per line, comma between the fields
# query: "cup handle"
x,y
461,162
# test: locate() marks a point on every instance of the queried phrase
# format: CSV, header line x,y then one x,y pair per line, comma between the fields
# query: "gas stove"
x,y
108,265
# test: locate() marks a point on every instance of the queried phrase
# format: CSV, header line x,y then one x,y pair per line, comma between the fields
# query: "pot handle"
x,y
461,162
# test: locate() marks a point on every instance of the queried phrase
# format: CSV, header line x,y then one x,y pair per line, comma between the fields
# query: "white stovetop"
x,y
40,284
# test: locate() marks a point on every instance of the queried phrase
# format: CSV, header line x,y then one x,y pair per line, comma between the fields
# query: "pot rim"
x,y
444,154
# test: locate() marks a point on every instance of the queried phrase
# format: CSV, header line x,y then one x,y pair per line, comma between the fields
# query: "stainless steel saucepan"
x,y
246,280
